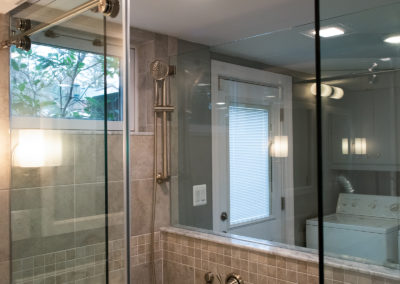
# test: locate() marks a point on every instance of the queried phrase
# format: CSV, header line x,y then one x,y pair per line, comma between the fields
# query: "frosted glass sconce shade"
x,y
280,147
345,146
360,146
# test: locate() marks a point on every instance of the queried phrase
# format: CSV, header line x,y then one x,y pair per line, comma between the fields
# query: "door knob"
x,y
234,278
224,216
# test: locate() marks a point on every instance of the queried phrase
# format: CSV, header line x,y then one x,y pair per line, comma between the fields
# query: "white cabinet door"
x,y
369,115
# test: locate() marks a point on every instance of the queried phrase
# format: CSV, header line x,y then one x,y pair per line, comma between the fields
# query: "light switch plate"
x,y
199,195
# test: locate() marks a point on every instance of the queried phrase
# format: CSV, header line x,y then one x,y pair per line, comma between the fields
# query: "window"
x,y
248,164
53,82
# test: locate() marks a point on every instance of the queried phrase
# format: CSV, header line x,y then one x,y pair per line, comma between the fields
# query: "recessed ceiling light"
x,y
330,32
385,59
220,103
393,39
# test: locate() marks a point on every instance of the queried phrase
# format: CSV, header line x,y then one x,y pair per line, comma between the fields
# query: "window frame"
x,y
45,123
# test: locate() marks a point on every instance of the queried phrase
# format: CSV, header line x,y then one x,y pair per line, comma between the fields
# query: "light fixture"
x,y
220,103
203,84
37,148
385,59
360,146
280,147
328,91
330,32
337,93
326,32
395,39
345,146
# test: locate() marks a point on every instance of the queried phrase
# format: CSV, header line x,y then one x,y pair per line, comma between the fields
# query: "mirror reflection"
x,y
246,137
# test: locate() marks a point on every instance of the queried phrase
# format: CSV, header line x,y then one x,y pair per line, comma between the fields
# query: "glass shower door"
x,y
360,120
66,153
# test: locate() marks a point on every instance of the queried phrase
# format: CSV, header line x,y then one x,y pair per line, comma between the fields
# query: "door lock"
x,y
224,216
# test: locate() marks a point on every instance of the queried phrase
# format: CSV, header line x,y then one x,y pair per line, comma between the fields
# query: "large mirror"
x,y
245,136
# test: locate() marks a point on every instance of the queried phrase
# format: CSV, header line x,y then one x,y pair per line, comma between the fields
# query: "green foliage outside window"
x,y
56,82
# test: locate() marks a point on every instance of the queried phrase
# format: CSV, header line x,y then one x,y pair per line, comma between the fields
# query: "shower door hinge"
x,y
282,114
283,202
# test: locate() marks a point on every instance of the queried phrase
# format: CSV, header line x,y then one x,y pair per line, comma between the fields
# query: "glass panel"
x,y
360,108
67,181
257,166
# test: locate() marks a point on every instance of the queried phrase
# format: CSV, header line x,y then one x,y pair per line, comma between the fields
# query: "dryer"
x,y
364,226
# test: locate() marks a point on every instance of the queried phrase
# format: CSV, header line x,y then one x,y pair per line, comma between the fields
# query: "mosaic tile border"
x,y
84,264
141,249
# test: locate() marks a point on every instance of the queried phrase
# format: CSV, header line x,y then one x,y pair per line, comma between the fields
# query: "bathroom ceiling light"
x,y
393,39
331,32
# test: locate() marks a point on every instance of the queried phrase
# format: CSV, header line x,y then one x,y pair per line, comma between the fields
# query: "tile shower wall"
x,y
4,157
187,256
148,47
58,214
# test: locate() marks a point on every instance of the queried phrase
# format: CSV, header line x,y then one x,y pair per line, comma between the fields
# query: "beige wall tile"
x,y
4,272
175,273
4,242
143,273
142,156
141,202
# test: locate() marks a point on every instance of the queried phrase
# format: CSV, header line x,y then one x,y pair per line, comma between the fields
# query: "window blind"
x,y
248,164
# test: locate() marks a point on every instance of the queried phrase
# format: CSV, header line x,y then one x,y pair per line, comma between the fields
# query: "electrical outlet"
x,y
199,195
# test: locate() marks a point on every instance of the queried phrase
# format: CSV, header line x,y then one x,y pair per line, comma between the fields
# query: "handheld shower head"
x,y
159,70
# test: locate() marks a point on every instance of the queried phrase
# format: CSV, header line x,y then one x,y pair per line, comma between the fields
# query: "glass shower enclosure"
x,y
67,126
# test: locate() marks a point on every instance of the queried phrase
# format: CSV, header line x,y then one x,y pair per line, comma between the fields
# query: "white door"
x,y
250,152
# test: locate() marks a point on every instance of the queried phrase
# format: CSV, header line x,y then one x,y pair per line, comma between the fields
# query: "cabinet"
x,y
370,114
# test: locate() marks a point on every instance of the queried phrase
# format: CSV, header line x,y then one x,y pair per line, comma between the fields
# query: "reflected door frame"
x,y
282,168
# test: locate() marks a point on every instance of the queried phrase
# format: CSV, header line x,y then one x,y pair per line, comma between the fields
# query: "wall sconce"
x,y
360,146
37,148
280,147
328,91
345,146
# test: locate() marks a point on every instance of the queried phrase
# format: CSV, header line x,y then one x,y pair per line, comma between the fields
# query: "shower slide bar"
x,y
22,40
160,71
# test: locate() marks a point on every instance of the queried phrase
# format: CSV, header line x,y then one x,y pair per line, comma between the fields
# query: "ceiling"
x,y
272,31
214,22
355,52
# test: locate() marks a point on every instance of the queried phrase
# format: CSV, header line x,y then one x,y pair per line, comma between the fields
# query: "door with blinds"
x,y
248,186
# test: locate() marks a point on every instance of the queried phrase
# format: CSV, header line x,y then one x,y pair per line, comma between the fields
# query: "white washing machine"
x,y
364,226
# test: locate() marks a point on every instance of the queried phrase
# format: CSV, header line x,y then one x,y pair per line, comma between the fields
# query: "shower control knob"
x,y
234,278
224,216
209,277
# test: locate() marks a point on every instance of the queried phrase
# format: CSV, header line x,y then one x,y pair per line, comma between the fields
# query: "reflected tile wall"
x,y
4,157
